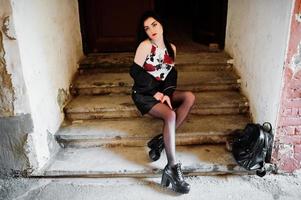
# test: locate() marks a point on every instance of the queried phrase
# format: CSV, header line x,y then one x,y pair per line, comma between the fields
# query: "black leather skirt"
x,y
144,103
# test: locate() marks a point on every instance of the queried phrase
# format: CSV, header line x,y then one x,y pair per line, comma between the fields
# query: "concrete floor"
x,y
248,187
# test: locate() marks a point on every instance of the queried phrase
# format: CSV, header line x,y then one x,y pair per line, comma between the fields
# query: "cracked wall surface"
x,y
6,88
40,47
15,118
48,34
63,98
39,51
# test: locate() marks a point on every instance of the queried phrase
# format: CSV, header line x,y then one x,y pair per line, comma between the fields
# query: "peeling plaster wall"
x,y
50,47
6,89
15,119
17,101
256,37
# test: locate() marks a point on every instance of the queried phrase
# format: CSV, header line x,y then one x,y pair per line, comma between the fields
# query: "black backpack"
x,y
252,147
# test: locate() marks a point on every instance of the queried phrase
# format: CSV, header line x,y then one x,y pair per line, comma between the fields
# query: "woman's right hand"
x,y
163,98
158,96
167,100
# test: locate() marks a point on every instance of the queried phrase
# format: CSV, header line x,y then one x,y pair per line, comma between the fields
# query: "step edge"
x,y
92,86
214,169
179,136
242,104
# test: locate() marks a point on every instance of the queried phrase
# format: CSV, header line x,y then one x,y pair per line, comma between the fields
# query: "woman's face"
x,y
153,28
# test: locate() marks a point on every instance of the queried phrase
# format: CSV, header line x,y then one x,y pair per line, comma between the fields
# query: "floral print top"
x,y
158,63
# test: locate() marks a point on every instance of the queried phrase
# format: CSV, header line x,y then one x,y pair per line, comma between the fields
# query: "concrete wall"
x,y
256,37
48,33
15,117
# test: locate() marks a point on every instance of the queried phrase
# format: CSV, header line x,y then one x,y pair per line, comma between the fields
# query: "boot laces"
x,y
179,171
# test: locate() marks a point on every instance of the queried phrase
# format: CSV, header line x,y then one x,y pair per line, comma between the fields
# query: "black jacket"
x,y
145,83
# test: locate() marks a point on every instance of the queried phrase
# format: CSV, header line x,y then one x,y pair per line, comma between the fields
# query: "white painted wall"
x,y
48,32
256,37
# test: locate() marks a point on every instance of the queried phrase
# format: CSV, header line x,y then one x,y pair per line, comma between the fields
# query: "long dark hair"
x,y
141,34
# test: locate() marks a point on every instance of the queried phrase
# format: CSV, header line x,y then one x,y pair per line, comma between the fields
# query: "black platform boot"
x,y
174,176
157,146
155,152
153,142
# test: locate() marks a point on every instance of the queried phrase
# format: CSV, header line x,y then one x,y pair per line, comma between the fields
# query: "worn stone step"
x,y
180,68
119,106
134,162
120,62
106,83
136,132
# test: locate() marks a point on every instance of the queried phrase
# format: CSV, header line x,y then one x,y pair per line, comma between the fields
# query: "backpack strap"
x,y
266,142
261,172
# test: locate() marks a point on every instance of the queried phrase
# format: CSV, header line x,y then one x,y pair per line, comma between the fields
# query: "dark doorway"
x,y
110,26
195,22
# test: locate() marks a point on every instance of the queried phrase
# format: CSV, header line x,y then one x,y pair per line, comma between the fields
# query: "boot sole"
x,y
165,183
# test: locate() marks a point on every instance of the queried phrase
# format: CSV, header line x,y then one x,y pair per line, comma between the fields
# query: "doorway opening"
x,y
110,26
195,25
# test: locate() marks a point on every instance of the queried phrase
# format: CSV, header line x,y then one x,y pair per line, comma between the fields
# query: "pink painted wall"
x,y
287,147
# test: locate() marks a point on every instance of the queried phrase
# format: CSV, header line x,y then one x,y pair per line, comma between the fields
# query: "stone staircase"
x,y
105,136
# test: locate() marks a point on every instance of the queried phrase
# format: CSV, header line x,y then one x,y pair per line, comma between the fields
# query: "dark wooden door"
x,y
110,25
209,21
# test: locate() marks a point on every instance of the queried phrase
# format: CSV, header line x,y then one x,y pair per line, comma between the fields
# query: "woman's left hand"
x,y
167,99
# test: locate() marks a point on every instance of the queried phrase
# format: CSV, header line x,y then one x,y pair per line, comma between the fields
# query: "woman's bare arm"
x,y
142,51
174,49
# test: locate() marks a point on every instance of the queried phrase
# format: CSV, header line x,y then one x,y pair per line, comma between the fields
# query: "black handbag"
x,y
252,147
